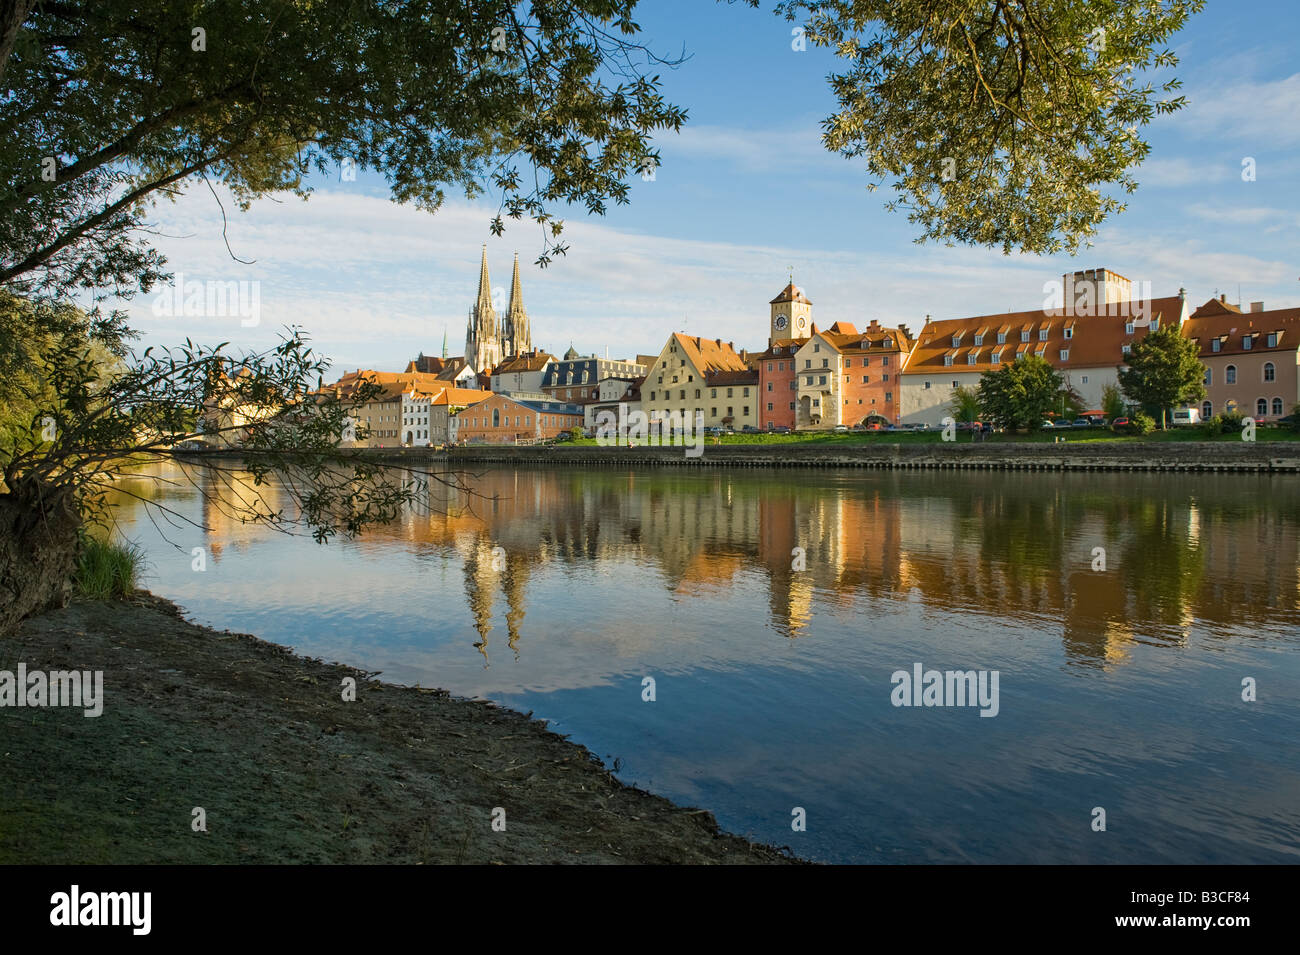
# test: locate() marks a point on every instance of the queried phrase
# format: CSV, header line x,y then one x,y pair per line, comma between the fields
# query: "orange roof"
x,y
1229,325
461,396
709,354
1096,341
529,361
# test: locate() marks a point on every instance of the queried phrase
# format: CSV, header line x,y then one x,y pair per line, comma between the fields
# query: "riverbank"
x,y
287,771
1253,457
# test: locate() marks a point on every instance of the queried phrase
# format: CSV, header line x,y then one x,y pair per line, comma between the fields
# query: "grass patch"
x,y
107,570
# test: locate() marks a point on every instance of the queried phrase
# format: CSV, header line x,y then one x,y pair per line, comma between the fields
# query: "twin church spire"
x,y
487,340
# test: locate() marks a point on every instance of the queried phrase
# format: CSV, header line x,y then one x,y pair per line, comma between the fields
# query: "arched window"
x,y
1277,407
496,417
1230,375
1269,371
1207,410
1209,378
1261,408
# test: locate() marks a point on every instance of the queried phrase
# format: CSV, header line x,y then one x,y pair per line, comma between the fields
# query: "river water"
x,y
772,611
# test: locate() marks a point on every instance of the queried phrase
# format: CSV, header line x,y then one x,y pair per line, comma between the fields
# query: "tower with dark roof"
x,y
791,314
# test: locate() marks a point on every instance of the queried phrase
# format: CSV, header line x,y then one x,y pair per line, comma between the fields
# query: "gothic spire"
x,y
518,333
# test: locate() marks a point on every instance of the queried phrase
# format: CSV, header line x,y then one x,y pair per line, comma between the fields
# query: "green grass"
x,y
107,570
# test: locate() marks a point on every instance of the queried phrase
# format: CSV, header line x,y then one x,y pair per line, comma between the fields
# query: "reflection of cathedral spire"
x,y
513,584
478,588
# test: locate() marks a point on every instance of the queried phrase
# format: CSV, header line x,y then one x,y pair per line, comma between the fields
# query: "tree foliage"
x,y
1164,371
104,105
1006,123
1020,393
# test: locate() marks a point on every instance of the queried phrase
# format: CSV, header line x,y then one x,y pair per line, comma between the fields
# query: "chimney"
x,y
904,329
731,345
1223,297
1257,306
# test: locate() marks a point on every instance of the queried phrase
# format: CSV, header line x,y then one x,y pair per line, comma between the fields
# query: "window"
x,y
780,366
1084,379
1247,341
1207,409
866,362
728,392
927,386
769,386
1024,336
889,397
730,412
956,340
713,392
1216,345
970,359
1272,339
1128,328
1230,375
744,392
769,406
997,359
817,346
1261,408
1065,354
1208,379
884,360
807,362
1269,371
1277,406
769,366
792,406
1069,332
826,362
652,396
954,384
1155,324
1002,338
866,379
1125,348
1042,334
496,417
713,412
528,421
979,340
744,412
809,381
947,359
821,379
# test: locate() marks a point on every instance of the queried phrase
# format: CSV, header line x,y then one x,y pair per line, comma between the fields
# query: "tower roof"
x,y
791,293
484,284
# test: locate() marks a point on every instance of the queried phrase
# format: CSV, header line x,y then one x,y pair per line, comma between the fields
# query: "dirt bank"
x,y
287,771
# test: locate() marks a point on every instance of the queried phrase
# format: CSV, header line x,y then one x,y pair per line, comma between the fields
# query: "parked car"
x,y
749,429
1082,423
781,429
1120,423
875,426
1183,417
841,429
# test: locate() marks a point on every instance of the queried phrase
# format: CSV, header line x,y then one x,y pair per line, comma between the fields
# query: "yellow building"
x,y
701,375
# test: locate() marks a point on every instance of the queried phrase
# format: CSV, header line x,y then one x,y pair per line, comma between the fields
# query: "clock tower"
x,y
791,314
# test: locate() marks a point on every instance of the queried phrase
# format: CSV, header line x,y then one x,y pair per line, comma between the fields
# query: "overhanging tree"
x,y
1004,123
1164,370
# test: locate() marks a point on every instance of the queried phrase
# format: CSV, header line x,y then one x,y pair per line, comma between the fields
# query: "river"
x,y
1141,632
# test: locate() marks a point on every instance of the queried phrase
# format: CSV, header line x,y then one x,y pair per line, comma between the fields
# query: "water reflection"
x,y
1219,549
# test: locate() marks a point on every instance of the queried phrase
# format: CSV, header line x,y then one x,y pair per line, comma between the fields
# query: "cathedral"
x,y
489,340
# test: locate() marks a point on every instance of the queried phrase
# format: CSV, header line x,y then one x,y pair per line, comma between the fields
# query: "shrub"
x,y
1233,422
107,570
1142,423
1211,426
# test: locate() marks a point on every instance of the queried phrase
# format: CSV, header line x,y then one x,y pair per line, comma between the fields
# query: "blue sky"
x,y
746,193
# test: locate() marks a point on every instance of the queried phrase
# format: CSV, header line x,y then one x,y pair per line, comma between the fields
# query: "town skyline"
x,y
746,194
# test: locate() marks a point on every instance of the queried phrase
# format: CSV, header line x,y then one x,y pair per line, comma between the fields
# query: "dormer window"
x,y
1069,331
1002,338
1272,339
970,359
1128,328
997,357
956,340
1042,334
1247,341
947,359
1024,335
1065,354
979,340
1216,345
1155,324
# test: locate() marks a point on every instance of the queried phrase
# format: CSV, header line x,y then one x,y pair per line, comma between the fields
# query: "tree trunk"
x,y
38,552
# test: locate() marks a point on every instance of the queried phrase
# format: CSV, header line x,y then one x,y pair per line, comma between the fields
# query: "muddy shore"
x,y
287,771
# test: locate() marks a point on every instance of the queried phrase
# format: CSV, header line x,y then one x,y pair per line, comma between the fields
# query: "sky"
x,y
746,195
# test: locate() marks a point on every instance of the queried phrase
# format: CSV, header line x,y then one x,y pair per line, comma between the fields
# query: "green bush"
x,y
1233,422
106,570
1142,423
1211,426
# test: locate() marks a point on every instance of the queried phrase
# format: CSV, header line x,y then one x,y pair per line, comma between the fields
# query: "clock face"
x,y
781,321
801,322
